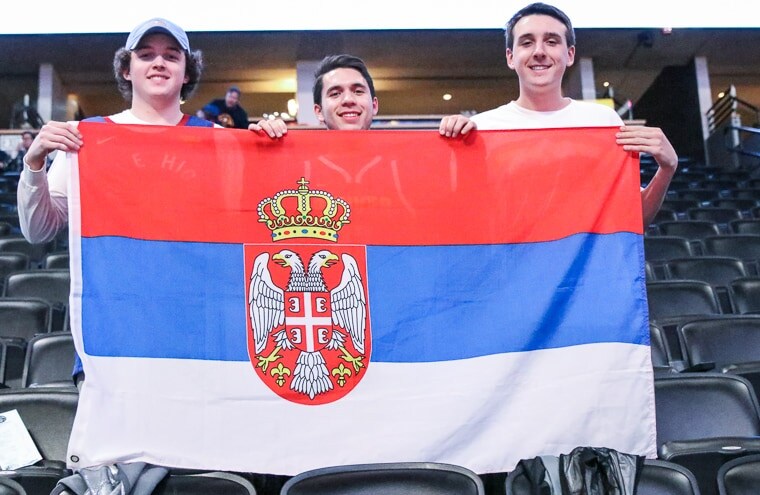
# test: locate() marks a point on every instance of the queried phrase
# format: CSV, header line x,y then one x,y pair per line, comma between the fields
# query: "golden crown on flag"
x,y
304,212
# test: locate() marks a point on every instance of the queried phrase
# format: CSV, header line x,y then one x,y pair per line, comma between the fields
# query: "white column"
x,y
51,100
304,82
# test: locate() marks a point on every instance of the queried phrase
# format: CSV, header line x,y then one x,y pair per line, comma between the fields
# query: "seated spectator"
x,y
229,111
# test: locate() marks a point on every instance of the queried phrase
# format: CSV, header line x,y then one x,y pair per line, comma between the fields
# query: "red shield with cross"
x,y
308,319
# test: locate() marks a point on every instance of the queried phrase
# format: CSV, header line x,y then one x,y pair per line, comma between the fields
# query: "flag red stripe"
x,y
403,187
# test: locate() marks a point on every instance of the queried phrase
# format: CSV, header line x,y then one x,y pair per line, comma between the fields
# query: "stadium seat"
x,y
694,230
20,321
666,478
12,262
49,361
658,344
745,226
18,244
741,204
721,216
718,271
701,195
745,294
746,247
680,205
386,478
665,215
56,260
204,483
48,415
663,248
730,344
705,420
672,302
740,476
51,285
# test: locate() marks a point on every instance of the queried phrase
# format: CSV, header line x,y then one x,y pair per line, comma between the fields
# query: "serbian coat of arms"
x,y
308,317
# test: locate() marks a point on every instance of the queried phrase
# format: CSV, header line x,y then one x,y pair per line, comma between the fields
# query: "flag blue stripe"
x,y
427,303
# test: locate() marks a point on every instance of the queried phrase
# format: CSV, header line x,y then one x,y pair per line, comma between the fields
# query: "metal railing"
x,y
730,108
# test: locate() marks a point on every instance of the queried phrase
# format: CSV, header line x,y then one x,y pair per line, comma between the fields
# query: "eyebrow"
x,y
550,34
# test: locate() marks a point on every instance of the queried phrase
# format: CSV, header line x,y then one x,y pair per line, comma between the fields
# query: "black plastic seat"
x,y
677,298
693,230
48,415
20,321
659,249
740,476
705,420
12,262
730,344
741,204
204,483
666,478
718,271
49,361
746,247
721,216
745,226
18,244
659,347
745,294
665,215
56,260
673,302
386,478
51,285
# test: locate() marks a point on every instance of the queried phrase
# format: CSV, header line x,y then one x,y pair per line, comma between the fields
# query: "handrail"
x,y
739,148
727,108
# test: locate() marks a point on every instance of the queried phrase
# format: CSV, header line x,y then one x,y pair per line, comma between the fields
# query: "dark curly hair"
x,y
193,70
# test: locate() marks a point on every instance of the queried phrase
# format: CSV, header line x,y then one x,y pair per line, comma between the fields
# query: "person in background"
x,y
229,111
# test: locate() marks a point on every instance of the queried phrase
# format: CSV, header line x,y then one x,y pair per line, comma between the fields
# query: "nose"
x,y
158,61
539,51
348,98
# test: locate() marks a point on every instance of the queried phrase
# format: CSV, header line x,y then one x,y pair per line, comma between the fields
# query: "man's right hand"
x,y
276,128
54,136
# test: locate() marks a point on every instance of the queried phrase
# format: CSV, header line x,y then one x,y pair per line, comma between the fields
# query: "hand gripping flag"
x,y
338,298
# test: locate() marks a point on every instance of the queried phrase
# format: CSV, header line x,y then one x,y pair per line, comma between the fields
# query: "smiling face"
x,y
347,103
157,68
540,55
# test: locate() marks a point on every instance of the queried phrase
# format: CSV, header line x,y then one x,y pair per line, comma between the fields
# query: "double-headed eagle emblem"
x,y
308,334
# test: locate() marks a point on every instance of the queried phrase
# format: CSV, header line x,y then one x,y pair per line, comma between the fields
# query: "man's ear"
x,y
571,56
318,111
510,59
375,106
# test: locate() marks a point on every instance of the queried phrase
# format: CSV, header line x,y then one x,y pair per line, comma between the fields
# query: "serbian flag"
x,y
336,298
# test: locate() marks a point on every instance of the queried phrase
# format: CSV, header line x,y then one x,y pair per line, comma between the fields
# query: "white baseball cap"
x,y
157,25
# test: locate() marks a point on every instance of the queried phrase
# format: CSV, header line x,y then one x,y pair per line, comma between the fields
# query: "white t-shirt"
x,y
576,114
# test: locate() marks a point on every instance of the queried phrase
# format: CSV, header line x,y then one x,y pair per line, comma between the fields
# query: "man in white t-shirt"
x,y
540,47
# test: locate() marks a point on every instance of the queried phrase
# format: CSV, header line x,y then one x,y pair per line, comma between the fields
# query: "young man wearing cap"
x,y
540,47
154,70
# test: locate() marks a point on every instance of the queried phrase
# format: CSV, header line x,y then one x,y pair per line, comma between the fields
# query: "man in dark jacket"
x,y
231,114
